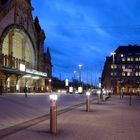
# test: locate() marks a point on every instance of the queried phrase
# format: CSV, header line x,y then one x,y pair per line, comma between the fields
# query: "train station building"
x,y
23,59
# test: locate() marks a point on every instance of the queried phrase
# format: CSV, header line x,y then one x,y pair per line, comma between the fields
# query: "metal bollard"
x,y
53,114
99,95
88,101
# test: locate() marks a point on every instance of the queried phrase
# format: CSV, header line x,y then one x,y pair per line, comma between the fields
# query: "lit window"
x,y
128,73
111,74
123,66
123,59
113,66
123,73
132,59
128,59
136,59
137,74
121,55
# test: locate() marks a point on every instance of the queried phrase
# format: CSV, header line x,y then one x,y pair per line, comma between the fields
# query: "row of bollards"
x,y
53,110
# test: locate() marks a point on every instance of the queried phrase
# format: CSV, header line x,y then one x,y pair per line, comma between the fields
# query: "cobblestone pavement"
x,y
110,120
15,108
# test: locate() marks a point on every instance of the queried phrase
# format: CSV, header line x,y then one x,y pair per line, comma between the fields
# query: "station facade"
x,y
23,61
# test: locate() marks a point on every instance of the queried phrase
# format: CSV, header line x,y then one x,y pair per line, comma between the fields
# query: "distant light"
x,y
70,89
113,53
121,55
53,97
99,92
80,89
66,82
74,72
27,76
80,66
88,93
17,87
35,77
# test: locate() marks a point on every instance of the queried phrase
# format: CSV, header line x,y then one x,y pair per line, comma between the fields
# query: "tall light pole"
x,y
113,55
50,87
80,74
113,66
74,75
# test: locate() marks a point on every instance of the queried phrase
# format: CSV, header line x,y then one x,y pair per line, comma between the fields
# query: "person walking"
x,y
25,91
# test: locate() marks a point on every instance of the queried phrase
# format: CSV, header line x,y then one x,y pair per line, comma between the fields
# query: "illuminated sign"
x,y
22,67
66,82
32,71
80,89
70,89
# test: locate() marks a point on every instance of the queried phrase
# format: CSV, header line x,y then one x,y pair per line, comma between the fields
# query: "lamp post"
x,y
80,74
74,80
74,75
67,85
113,55
50,88
113,62
53,113
99,94
88,101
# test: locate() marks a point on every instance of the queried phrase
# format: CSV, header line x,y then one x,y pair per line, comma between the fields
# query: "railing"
x,y
14,63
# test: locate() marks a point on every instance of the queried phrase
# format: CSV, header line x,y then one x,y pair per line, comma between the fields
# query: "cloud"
x,y
85,31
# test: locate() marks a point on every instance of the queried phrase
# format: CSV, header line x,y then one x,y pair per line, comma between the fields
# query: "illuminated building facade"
x,y
22,58
123,75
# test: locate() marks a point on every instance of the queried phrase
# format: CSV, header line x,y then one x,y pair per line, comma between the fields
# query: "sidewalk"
x,y
15,108
111,120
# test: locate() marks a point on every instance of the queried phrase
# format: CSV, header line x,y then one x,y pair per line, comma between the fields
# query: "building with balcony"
x,y
121,71
22,58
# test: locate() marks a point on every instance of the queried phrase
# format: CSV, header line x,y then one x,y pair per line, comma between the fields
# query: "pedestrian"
x,y
25,91
34,90
1,89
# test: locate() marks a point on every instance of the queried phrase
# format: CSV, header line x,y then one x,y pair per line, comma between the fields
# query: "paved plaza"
x,y
114,119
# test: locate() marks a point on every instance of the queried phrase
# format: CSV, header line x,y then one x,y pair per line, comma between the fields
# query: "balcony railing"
x,y
14,63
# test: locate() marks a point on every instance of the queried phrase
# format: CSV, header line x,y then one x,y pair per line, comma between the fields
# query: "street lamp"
x,y
99,94
67,85
113,67
50,88
80,76
113,55
53,113
74,74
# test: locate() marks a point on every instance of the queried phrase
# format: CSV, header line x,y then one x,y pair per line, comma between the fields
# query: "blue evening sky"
x,y
86,31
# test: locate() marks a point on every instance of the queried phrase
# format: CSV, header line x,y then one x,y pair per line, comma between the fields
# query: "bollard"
x,y
99,95
88,101
53,114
